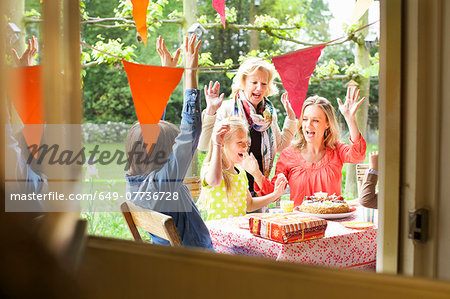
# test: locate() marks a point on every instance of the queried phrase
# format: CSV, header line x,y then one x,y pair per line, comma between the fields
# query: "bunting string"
x,y
229,67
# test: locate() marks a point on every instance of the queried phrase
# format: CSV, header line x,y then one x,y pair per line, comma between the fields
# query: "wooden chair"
x,y
194,185
153,222
361,170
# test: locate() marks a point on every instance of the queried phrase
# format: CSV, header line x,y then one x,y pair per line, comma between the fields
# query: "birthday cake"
x,y
323,204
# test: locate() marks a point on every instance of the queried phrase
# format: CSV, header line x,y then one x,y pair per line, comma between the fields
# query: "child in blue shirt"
x,y
164,168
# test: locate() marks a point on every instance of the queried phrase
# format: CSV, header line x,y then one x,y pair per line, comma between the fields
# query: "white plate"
x,y
328,216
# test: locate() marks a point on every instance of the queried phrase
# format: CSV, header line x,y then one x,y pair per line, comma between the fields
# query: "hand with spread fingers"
x,y
213,99
287,106
167,60
349,108
27,58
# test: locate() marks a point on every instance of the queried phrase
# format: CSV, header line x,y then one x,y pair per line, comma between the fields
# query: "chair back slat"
x,y
153,222
361,170
194,185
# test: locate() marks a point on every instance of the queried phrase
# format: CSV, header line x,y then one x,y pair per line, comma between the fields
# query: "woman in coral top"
x,y
314,163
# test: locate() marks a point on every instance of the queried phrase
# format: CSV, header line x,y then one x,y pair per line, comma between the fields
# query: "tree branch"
x,y
246,27
89,64
269,31
128,22
334,77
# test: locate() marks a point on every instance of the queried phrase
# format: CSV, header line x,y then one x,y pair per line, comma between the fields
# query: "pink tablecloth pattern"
x,y
341,247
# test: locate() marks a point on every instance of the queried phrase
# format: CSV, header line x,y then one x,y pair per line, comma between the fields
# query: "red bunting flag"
x,y
151,87
25,90
295,69
140,17
219,6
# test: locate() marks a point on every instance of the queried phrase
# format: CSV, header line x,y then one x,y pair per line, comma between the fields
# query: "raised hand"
x,y
349,108
167,59
191,49
250,164
213,99
27,57
287,106
219,134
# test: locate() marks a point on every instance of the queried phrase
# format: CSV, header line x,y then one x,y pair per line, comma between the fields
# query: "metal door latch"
x,y
418,225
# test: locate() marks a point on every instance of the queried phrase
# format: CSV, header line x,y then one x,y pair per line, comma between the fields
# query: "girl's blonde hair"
x,y
332,135
250,66
236,124
142,162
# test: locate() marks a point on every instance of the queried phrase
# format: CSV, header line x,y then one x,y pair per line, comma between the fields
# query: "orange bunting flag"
x,y
151,87
295,69
140,17
219,6
25,90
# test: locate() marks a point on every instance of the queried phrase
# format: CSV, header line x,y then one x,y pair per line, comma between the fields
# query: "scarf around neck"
x,y
260,122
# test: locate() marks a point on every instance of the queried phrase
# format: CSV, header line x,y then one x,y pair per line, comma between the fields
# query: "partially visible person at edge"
x,y
253,83
314,163
368,195
29,176
163,169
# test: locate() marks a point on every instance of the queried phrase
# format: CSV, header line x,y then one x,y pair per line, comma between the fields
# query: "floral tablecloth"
x,y
341,247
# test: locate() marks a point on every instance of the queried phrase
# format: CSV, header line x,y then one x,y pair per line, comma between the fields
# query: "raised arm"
x,y
209,116
284,137
214,176
348,110
190,127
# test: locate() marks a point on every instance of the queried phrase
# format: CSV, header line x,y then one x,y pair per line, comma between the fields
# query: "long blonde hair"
x,y
236,124
251,65
332,134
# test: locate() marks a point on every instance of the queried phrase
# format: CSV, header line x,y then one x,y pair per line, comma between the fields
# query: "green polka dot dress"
x,y
216,203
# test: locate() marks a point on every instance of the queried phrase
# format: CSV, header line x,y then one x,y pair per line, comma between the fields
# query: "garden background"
x,y
263,28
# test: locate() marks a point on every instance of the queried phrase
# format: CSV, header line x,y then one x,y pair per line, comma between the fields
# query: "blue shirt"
x,y
169,180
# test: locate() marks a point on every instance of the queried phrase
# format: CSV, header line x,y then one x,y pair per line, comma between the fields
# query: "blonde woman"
x,y
251,87
315,162
224,182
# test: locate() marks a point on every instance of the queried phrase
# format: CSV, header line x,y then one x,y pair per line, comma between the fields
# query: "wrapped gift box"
x,y
287,228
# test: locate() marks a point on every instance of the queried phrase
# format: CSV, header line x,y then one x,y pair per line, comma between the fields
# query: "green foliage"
x,y
114,47
205,59
107,97
230,15
328,68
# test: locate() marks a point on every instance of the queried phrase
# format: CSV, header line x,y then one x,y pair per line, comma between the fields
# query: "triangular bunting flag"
x,y
219,6
295,69
25,90
140,17
151,87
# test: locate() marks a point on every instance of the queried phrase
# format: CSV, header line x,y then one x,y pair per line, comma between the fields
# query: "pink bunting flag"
x,y
219,6
295,69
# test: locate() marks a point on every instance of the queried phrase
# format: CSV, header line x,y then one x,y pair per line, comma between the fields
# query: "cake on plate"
x,y
321,203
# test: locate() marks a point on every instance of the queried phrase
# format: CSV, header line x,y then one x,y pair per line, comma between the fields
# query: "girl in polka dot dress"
x,y
224,182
